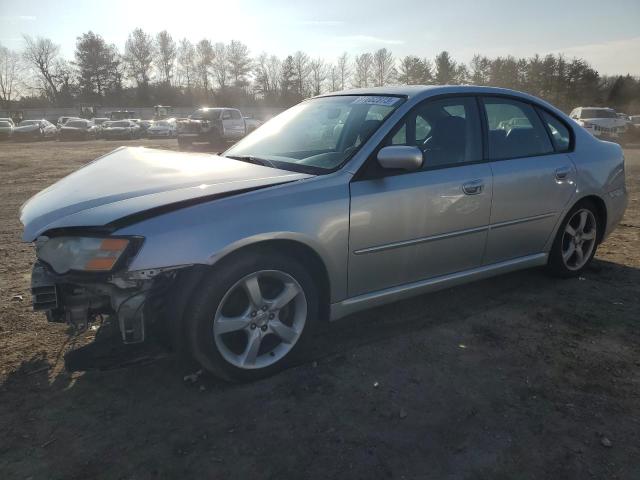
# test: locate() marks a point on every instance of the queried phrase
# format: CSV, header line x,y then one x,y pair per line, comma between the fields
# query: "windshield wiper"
x,y
251,159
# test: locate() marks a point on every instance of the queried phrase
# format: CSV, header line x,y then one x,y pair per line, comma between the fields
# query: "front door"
x,y
416,225
533,179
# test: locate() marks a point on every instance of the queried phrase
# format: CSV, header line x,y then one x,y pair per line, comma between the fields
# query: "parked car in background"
x,y
99,123
162,129
144,126
121,129
6,129
600,122
62,120
34,130
239,258
77,129
211,125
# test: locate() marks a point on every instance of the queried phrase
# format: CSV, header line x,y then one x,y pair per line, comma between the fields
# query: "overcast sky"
x,y
606,33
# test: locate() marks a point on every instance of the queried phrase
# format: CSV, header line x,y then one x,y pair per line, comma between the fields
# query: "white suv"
x,y
599,121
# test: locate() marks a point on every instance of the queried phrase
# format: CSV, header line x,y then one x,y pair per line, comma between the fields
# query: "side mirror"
x,y
400,157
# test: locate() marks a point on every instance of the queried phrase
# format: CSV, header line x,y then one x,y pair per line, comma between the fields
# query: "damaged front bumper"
x,y
78,300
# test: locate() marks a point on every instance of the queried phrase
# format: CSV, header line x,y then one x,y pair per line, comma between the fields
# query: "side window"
x,y
447,131
560,135
226,115
514,130
235,114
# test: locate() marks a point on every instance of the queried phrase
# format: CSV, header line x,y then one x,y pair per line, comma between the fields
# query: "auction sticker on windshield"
x,y
371,100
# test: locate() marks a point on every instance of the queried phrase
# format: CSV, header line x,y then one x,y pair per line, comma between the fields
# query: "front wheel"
x,y
576,241
252,316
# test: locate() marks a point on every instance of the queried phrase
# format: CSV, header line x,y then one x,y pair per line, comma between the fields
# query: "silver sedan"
x,y
343,202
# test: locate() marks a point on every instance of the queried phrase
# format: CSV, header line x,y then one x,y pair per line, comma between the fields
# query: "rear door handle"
x,y
562,173
473,188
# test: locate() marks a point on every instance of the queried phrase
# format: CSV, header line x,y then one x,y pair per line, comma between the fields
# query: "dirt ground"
x,y
518,377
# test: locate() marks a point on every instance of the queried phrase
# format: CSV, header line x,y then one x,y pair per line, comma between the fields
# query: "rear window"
x,y
560,135
515,130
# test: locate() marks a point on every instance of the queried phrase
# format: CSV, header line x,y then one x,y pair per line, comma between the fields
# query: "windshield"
x,y
320,134
119,124
24,123
162,124
206,114
76,124
597,113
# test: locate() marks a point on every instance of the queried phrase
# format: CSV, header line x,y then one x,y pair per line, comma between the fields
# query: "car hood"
x,y
134,180
115,129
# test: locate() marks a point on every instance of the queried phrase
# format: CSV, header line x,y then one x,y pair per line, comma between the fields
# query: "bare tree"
x,y
166,53
383,68
138,56
334,77
364,70
301,70
204,61
344,71
41,54
186,64
10,73
239,62
220,66
318,72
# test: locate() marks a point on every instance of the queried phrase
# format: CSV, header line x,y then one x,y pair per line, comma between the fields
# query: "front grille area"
x,y
44,297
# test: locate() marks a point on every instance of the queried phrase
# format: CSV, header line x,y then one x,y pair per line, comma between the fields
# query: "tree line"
x,y
157,69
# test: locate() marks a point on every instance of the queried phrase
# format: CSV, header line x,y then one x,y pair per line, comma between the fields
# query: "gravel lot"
x,y
521,376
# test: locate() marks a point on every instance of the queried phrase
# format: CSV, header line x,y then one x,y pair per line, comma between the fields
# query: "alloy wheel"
x,y
260,319
579,239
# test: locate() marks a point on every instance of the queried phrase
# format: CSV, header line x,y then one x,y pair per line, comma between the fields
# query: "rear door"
x,y
409,226
533,179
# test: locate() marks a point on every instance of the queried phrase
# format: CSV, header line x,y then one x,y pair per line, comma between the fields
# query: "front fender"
x,y
313,212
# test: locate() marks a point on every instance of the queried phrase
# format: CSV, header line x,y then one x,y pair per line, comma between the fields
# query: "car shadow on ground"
x,y
373,325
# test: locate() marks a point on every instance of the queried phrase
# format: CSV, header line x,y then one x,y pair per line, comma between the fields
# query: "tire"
x,y
567,258
252,346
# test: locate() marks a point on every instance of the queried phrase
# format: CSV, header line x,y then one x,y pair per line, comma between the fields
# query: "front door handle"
x,y
562,173
473,188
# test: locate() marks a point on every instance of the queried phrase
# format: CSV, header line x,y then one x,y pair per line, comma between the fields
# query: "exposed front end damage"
x,y
130,298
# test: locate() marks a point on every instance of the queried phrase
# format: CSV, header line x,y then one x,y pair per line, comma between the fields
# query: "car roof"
x,y
424,91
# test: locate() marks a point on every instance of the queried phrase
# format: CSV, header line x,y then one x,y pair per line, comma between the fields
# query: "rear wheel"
x,y
252,316
576,241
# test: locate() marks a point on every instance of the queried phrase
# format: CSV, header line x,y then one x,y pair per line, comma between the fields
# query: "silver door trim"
x,y
457,233
416,241
517,221
400,292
